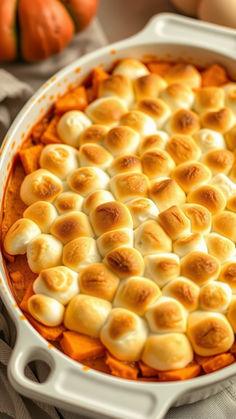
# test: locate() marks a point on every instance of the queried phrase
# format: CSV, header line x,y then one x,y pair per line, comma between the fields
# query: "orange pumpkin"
x,y
36,29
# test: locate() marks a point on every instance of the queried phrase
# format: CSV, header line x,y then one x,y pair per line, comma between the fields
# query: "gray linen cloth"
x,y
17,83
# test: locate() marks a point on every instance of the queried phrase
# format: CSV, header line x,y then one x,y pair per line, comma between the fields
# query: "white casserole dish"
x,y
69,385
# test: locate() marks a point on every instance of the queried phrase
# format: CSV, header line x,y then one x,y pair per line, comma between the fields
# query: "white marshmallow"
x,y
208,139
19,235
131,68
142,209
86,180
80,252
167,315
230,96
43,252
59,159
71,126
42,213
46,310
40,185
140,122
189,243
224,184
215,296
68,201
178,95
162,268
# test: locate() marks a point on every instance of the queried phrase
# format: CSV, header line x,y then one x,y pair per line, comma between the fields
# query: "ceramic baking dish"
x,y
69,385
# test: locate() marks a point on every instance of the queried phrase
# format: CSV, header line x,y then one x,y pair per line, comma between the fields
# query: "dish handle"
x,y
74,387
173,28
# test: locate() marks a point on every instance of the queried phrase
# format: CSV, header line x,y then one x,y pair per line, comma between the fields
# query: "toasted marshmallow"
x,y
118,85
46,310
165,193
125,262
113,239
182,148
125,163
131,68
40,185
59,282
86,314
230,96
191,174
189,243
224,184
139,121
230,138
209,196
221,120
169,351
19,235
94,134
106,110
141,210
157,109
183,122
231,315
149,86
199,216
87,180
124,334
184,73
184,291
209,333
94,155
225,223
157,163
80,252
162,267
67,202
219,161
43,252
231,203
150,238
71,126
127,186
96,198
110,216
71,225
178,96
59,159
97,280
122,140
157,140
208,99
137,294
174,222
166,315
228,275
215,296
200,267
42,213
208,140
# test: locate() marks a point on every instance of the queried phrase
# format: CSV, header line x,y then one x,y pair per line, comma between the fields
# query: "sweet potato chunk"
x,y
30,158
81,347
218,362
49,333
29,292
98,75
122,369
186,373
146,370
50,135
38,130
74,100
160,68
215,75
233,349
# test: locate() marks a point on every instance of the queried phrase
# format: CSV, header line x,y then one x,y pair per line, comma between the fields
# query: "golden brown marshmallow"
x,y
94,155
106,110
208,99
96,198
230,96
156,140
225,223
219,161
150,238
139,121
110,216
209,196
189,243
69,226
122,140
157,163
178,96
125,163
184,73
169,351
231,203
97,280
162,267
113,239
200,217
166,315
141,210
183,122
221,120
71,125
67,202
44,251
209,333
42,213
230,138
40,185
231,315
131,68
228,275
149,86
124,334
46,310
127,186
19,236
157,109
80,252
59,159
125,262
86,314
184,291
166,193
182,148
174,222
86,180
117,85
215,296
200,267
94,134
137,294
220,247
191,174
